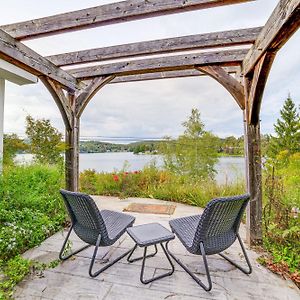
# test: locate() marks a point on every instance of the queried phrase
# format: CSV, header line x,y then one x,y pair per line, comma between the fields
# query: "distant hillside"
x,y
102,147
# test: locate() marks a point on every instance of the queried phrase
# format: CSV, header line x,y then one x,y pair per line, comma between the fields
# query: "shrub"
x,y
31,210
154,183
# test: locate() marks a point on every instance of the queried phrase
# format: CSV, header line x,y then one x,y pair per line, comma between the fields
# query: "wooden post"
x,y
72,151
253,176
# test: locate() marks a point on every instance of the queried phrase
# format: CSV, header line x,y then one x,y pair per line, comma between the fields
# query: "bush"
x,y
281,212
154,183
31,209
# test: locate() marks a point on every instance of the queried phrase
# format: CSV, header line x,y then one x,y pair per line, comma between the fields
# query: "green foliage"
x,y
12,144
232,145
31,210
194,153
154,183
281,213
13,272
287,130
45,141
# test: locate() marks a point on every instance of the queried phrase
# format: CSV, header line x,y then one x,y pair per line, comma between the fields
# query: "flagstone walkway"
x,y
70,279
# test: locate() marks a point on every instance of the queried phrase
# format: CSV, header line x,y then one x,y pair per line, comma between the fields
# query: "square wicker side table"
x,y
147,235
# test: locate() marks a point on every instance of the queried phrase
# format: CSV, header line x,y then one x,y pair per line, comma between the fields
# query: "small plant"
x,y
31,209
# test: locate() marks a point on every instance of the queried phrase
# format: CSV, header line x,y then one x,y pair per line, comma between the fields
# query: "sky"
x,y
151,109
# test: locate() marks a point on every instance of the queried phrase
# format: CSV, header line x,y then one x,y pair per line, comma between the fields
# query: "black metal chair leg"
x,y
95,274
145,281
249,271
141,257
199,282
61,256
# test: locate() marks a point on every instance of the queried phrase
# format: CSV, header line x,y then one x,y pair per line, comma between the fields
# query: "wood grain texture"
x,y
20,55
162,64
166,75
184,43
60,99
108,14
85,95
254,180
234,87
72,152
284,21
258,83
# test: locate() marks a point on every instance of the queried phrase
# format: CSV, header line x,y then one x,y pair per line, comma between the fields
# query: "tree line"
x,y
194,145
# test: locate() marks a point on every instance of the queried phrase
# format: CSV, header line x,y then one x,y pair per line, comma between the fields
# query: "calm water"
x,y
229,169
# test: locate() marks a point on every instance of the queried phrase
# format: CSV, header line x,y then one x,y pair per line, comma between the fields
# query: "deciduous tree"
x,y
45,141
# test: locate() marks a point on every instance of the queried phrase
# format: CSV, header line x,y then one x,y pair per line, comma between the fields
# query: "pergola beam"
x,y
169,45
107,14
162,64
284,21
21,56
166,75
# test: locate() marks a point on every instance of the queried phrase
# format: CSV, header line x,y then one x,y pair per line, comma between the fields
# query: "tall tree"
x,y
45,141
287,130
195,152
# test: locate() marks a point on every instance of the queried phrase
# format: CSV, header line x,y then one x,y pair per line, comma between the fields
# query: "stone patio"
x,y
70,279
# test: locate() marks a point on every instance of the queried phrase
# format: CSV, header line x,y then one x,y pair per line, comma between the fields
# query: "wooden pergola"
x,y
243,71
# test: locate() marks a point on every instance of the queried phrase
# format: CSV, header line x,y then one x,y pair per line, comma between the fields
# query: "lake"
x,y
229,169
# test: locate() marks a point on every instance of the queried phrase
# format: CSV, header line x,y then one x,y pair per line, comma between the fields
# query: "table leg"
x,y
145,281
129,259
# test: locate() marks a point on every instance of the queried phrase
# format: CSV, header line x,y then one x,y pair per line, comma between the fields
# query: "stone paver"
x,y
70,279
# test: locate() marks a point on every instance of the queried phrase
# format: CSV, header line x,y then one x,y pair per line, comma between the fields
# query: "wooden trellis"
x,y
73,89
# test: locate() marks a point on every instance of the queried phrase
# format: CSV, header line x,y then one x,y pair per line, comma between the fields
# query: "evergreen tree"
x,y
287,130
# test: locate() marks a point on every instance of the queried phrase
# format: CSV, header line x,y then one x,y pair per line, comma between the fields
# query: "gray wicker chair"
x,y
98,228
212,232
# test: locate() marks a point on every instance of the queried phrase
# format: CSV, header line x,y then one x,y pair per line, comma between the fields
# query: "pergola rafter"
x,y
185,43
161,64
22,56
106,15
251,67
167,75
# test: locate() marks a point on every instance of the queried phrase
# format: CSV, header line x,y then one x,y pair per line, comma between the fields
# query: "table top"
x,y
150,234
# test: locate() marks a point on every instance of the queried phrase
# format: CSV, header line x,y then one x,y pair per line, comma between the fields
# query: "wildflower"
x,y
115,178
136,172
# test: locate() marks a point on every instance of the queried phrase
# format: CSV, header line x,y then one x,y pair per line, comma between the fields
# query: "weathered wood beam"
x,y
162,64
156,76
234,87
84,97
185,43
253,174
166,75
258,82
284,21
72,150
108,14
60,99
21,56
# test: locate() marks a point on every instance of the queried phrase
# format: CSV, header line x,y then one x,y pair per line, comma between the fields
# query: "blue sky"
x,y
153,108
